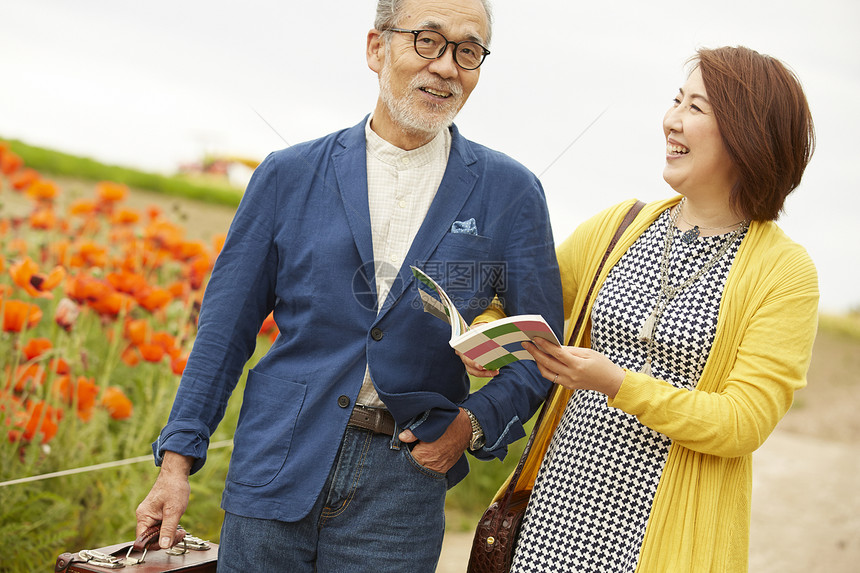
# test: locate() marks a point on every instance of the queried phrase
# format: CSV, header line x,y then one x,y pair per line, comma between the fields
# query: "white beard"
x,y
419,116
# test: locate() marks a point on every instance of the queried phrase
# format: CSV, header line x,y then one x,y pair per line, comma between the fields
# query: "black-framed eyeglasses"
x,y
430,44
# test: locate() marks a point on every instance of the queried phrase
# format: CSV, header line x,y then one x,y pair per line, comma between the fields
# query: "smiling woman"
x,y
701,332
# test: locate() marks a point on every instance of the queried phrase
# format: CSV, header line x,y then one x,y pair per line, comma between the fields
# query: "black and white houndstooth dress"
x,y
593,495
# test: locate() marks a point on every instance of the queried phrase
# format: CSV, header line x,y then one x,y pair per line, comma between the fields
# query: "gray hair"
x,y
388,14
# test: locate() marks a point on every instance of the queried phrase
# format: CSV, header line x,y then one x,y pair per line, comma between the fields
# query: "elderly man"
x,y
355,423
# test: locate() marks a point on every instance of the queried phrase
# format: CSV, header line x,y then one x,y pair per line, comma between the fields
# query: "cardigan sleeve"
x,y
759,358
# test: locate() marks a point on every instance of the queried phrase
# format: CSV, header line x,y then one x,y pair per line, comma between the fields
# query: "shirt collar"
x,y
401,158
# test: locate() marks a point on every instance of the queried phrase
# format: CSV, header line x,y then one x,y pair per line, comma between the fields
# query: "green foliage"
x,y
52,162
467,500
847,325
42,519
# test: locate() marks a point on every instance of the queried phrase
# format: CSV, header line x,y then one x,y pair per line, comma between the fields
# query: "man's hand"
x,y
167,500
475,369
441,455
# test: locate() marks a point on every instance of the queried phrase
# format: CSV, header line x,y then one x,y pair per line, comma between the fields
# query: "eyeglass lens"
x,y
431,45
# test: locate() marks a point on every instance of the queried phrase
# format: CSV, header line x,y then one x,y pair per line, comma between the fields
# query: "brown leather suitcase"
x,y
191,554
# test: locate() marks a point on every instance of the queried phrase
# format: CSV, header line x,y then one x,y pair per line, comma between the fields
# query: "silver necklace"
x,y
667,292
692,234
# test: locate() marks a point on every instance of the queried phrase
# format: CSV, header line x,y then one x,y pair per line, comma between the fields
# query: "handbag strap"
x,y
628,218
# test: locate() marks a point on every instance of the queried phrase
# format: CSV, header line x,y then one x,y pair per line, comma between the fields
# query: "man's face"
x,y
419,96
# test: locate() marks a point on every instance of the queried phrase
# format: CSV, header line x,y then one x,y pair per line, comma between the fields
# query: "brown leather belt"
x,y
377,420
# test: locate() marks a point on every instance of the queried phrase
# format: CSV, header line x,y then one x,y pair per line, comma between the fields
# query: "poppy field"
x,y
98,309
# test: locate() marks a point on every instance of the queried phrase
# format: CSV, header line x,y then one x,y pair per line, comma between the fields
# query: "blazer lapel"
x,y
350,167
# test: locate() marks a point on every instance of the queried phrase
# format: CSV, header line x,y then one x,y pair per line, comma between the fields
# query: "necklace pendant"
x,y
646,331
690,235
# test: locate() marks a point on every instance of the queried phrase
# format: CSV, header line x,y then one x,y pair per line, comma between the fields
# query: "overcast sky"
x,y
154,84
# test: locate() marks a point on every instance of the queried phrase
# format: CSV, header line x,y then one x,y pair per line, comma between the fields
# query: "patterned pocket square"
x,y
468,227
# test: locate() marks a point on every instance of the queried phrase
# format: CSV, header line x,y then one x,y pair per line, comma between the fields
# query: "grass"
x,y
51,162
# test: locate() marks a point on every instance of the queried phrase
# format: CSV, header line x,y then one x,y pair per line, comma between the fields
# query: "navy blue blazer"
x,y
300,245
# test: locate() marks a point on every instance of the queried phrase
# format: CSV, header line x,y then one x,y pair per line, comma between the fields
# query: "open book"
x,y
493,344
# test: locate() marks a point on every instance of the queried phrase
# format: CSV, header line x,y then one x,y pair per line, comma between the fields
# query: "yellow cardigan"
x,y
700,519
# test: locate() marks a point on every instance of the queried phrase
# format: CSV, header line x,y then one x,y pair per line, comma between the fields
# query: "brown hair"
x,y
765,124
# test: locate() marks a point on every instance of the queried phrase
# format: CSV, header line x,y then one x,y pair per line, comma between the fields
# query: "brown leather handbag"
x,y
496,535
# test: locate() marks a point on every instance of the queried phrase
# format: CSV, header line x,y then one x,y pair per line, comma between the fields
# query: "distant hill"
x,y
53,162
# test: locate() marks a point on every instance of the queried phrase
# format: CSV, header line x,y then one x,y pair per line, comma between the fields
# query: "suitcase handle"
x,y
146,540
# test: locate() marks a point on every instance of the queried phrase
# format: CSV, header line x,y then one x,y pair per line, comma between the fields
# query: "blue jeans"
x,y
378,511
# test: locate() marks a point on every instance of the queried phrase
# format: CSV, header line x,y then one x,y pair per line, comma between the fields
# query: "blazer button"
x,y
343,401
376,334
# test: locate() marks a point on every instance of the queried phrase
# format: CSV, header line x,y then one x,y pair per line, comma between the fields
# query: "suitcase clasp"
x,y
188,543
100,559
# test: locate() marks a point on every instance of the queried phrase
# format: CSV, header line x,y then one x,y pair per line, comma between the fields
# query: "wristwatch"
x,y
478,440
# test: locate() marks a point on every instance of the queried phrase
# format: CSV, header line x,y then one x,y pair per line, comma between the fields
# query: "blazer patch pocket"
x,y
264,433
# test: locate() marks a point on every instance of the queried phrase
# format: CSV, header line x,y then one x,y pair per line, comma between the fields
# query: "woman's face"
x,y
697,162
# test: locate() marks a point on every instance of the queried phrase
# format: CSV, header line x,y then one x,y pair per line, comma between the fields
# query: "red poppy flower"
x,y
130,356
35,347
109,192
83,392
18,315
269,325
83,207
179,289
218,242
153,212
23,179
151,352
137,331
125,217
127,282
60,366
10,162
116,403
25,274
90,253
166,341
43,190
29,377
197,270
177,365
39,417
154,298
43,219
112,304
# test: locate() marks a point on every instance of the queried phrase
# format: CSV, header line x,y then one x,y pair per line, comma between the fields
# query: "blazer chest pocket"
x,y
470,248
267,420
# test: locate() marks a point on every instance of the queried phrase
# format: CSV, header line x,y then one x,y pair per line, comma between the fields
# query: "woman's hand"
x,y
576,368
475,369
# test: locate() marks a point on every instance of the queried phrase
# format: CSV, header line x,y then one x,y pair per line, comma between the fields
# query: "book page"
x,y
441,305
